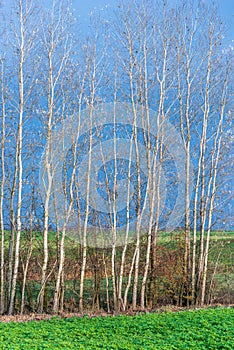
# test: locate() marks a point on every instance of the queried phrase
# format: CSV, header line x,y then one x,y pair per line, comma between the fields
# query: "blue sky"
x,y
84,7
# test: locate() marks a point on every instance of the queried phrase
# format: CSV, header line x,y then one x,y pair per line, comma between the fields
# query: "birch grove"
x,y
115,156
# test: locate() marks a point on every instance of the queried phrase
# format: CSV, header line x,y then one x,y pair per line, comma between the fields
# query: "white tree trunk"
x,y
19,154
2,291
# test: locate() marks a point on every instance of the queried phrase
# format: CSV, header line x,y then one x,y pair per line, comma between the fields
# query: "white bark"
x,y
19,150
3,131
212,187
53,38
92,70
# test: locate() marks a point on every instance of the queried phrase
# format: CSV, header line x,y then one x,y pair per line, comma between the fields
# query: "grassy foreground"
x,y
201,329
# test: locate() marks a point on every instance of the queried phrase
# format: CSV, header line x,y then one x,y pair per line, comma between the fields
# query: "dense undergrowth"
x,y
167,279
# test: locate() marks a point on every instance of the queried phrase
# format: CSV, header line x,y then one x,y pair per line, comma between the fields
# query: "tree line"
x,y
166,67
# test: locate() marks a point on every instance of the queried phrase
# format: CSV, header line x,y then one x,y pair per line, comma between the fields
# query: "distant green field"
x,y
200,329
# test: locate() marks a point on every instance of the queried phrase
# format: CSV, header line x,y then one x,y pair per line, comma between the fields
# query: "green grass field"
x,y
200,329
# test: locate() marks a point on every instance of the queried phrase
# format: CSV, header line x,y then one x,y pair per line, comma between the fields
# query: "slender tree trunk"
x,y
62,250
125,302
25,271
84,238
107,283
158,157
203,206
48,176
121,274
12,231
19,157
212,185
151,186
137,160
2,264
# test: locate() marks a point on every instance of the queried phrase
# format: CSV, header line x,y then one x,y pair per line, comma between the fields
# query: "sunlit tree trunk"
x,y
48,182
67,213
3,131
202,167
186,79
25,270
22,13
151,186
212,184
50,45
56,45
91,67
161,76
